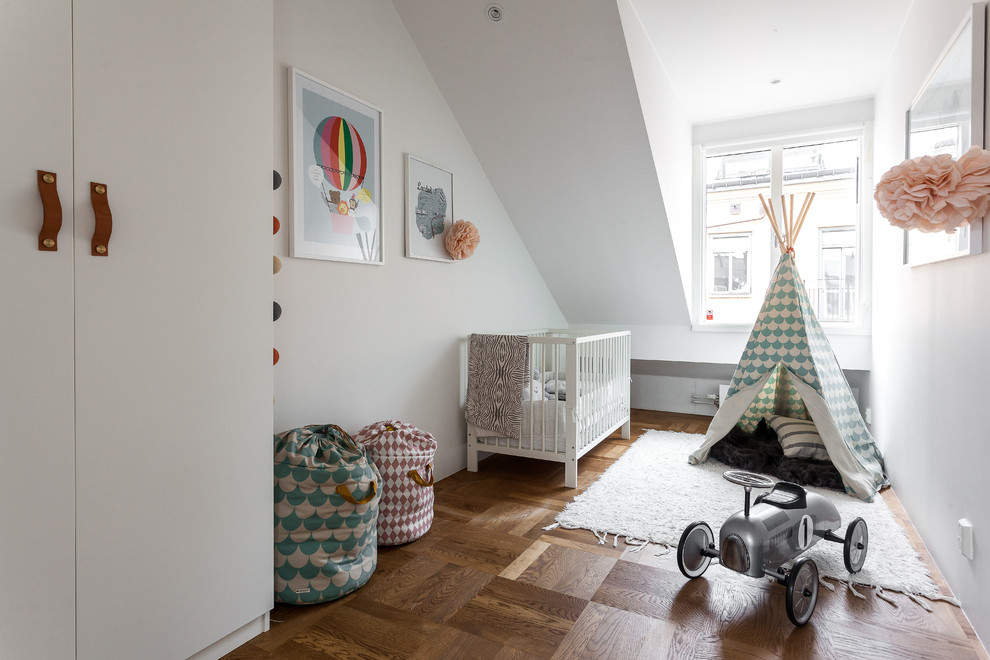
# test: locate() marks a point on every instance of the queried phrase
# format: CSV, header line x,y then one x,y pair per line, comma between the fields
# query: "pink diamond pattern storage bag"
x,y
404,456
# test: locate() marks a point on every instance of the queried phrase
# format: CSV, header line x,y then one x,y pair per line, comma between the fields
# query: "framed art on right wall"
x,y
947,117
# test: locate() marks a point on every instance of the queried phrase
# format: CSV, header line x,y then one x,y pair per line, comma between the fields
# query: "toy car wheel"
x,y
690,558
802,591
855,546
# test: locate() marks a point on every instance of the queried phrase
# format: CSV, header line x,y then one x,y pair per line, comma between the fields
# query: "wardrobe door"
x,y
37,577
173,115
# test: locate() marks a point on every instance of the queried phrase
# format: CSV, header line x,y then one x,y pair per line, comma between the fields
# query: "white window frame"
x,y
776,144
710,279
821,257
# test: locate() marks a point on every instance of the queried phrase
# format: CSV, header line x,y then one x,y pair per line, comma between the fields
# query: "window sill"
x,y
721,327
830,328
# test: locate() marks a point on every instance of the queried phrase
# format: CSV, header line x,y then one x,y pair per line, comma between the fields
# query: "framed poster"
x,y
946,117
335,156
429,210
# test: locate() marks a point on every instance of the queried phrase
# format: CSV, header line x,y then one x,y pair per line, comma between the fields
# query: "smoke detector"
x,y
494,12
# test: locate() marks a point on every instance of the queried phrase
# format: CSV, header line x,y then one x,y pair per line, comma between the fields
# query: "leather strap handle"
x,y
104,220
52,223
346,494
414,475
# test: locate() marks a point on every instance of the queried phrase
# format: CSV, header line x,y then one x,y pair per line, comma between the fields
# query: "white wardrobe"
x,y
136,386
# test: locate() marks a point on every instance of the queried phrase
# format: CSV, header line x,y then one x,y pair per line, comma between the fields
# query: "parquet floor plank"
x,y
605,632
480,549
453,643
519,615
432,589
524,561
355,630
512,517
487,581
661,595
568,571
250,651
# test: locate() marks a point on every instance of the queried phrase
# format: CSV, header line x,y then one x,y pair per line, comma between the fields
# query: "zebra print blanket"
x,y
496,371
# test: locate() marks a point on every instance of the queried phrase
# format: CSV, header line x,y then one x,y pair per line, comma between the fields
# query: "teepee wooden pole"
x,y
773,222
793,239
804,208
799,219
788,226
808,199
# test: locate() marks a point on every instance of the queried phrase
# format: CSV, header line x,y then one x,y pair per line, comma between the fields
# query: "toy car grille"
x,y
734,554
776,520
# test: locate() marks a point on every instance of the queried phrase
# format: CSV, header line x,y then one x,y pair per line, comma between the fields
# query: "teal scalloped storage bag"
x,y
326,515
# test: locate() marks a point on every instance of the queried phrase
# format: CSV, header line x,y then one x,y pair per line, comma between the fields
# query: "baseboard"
x,y
242,635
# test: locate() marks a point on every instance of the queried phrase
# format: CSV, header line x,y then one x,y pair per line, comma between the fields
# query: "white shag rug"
x,y
651,494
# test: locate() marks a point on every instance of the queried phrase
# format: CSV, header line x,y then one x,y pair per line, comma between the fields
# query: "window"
x,y
740,249
834,296
730,264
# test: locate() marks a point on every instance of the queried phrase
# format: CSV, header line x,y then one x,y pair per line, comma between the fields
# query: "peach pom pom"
x,y
975,184
461,240
935,193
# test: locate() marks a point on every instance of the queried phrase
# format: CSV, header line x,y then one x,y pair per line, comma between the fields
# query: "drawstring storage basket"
x,y
404,455
326,510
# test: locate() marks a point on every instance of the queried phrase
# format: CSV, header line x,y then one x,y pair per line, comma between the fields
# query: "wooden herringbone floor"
x,y
488,582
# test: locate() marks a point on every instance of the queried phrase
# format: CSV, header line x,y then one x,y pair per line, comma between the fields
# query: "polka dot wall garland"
x,y
276,262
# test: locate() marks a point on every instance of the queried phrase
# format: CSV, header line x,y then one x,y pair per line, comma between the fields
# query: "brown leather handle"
x,y
414,475
104,220
346,494
52,223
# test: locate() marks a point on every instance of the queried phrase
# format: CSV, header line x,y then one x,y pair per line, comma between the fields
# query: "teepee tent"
x,y
788,368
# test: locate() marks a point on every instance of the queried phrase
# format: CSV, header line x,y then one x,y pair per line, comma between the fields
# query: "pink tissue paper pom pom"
x,y
936,193
461,240
974,187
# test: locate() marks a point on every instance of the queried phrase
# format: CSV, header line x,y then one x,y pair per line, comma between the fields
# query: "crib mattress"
x,y
551,434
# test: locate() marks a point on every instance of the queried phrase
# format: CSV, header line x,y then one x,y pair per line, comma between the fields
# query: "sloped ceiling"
x,y
721,55
546,97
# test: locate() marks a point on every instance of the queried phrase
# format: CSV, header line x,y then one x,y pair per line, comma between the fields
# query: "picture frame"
x,y
947,116
429,210
335,169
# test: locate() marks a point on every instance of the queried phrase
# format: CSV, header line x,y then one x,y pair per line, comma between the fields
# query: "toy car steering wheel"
x,y
748,479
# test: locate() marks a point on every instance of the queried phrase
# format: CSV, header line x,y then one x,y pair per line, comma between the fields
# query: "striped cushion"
x,y
798,437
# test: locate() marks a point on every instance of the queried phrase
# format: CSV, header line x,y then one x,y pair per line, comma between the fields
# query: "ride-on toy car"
x,y
779,526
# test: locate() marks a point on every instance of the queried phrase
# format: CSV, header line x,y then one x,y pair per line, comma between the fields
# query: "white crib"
x,y
585,397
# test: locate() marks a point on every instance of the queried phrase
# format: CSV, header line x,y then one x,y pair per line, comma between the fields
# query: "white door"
x,y
173,113
37,576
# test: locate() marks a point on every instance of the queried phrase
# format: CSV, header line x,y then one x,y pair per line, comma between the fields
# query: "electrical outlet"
x,y
869,415
964,538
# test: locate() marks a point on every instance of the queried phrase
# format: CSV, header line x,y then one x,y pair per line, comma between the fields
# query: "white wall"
x,y
802,120
670,138
673,394
931,362
682,343
361,343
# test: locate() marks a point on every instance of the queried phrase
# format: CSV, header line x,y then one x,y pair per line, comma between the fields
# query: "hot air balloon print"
x,y
340,152
336,174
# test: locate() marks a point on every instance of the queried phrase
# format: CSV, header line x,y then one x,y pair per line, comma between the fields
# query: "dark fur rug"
x,y
761,452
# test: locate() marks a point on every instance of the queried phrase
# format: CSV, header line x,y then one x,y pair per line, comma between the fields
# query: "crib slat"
x,y
595,372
